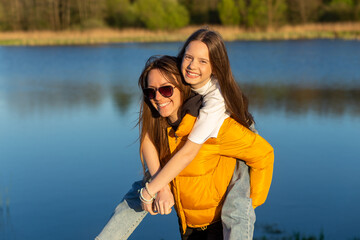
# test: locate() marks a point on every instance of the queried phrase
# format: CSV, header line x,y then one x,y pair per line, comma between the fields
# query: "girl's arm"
x,y
175,165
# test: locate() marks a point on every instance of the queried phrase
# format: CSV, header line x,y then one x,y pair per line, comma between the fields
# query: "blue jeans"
x,y
238,216
127,216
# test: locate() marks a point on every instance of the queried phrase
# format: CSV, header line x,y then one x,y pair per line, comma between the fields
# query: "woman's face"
x,y
166,106
195,66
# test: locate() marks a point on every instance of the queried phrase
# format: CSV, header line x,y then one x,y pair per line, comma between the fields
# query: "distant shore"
x,y
349,31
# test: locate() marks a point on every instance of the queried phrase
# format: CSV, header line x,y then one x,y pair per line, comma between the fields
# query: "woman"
x,y
199,190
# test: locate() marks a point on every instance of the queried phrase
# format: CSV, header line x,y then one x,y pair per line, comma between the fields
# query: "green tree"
x,y
257,14
260,13
303,11
276,12
120,13
13,12
202,11
2,18
357,11
348,3
229,13
242,7
162,14
90,13
339,10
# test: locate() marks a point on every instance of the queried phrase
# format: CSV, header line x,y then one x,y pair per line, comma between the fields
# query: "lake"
x,y
69,140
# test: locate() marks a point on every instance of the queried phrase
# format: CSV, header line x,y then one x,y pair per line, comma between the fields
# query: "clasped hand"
x,y
162,204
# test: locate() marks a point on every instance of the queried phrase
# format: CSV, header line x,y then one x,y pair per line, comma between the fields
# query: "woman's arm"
x,y
150,156
165,199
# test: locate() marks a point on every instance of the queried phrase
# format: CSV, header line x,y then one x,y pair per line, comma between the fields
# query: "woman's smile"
x,y
161,105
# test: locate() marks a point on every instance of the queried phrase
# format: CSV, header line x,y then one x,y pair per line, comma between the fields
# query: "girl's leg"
x,y
127,216
238,215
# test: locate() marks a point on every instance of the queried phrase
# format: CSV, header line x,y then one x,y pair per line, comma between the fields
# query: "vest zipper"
x,y
176,138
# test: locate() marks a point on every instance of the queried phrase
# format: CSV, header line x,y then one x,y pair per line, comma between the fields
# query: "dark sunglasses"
x,y
165,91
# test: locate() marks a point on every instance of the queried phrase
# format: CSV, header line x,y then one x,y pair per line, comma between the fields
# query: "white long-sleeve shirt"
x,y
212,113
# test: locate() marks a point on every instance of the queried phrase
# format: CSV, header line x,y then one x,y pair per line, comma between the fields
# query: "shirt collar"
x,y
191,106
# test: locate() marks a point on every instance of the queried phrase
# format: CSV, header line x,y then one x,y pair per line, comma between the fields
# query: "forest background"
x,y
246,19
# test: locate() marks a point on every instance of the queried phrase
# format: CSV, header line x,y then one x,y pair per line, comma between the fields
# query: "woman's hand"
x,y
164,201
162,204
148,206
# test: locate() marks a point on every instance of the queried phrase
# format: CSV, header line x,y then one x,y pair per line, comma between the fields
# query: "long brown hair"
x,y
235,100
150,122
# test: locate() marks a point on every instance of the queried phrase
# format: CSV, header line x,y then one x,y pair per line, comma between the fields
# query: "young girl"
x,y
205,66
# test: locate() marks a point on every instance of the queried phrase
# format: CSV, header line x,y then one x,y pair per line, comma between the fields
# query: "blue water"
x,y
69,149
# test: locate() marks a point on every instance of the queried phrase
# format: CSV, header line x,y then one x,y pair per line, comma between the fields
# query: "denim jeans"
x,y
127,216
238,216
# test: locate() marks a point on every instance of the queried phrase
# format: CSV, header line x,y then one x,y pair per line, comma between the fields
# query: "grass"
x,y
106,35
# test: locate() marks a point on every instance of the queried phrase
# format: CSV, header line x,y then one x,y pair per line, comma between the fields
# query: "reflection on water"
x,y
54,96
123,97
7,230
293,100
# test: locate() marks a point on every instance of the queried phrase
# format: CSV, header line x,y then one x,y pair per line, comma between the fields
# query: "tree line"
x,y
170,14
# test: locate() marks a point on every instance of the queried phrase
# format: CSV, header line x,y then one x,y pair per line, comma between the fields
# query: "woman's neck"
x,y
173,119
190,106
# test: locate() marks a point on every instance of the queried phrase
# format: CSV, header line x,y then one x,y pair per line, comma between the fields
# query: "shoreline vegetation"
x,y
347,31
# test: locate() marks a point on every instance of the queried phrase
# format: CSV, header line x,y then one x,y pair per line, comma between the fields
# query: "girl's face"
x,y
166,106
195,66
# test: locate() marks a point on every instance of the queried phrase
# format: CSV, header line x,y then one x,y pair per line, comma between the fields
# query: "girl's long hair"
x,y
235,100
150,122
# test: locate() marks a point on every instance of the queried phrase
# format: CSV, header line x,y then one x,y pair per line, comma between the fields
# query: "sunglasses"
x,y
165,91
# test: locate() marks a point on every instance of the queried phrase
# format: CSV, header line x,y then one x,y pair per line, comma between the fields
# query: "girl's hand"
x,y
164,201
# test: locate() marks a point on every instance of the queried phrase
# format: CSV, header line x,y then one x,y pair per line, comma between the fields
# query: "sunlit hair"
x,y
235,101
150,121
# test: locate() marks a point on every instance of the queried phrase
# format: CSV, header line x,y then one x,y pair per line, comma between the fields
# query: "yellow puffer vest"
x,y
199,190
